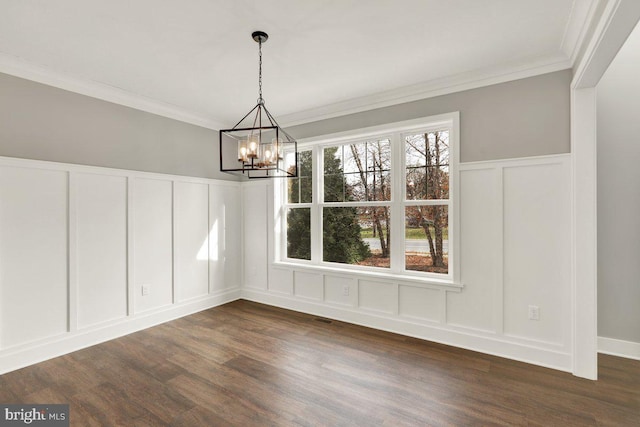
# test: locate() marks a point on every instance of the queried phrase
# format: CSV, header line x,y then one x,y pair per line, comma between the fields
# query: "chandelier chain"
x,y
260,99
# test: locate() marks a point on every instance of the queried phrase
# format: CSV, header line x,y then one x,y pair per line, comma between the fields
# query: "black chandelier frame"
x,y
265,131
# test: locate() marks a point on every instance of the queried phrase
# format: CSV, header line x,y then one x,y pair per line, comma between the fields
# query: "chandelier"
x,y
257,146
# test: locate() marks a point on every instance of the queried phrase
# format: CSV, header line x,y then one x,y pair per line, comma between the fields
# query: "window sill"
x,y
427,282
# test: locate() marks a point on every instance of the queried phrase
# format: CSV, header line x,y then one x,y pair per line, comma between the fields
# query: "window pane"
x,y
299,233
427,239
358,172
356,235
300,190
334,182
427,165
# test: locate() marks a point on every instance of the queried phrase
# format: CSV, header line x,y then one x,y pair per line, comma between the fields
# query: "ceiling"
x,y
194,60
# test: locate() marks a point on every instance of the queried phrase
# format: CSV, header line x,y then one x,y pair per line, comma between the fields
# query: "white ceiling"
x,y
194,60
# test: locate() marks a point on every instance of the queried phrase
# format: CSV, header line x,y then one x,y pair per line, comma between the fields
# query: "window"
x,y
378,199
427,174
298,213
357,201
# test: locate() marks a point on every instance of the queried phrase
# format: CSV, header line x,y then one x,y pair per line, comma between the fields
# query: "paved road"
x,y
412,245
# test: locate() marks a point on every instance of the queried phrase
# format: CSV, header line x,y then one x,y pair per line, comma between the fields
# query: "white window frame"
x,y
395,132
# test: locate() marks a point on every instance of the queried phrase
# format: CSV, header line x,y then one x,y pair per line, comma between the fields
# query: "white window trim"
x,y
395,132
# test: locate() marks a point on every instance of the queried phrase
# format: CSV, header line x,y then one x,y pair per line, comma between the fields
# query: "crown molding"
x,y
615,23
471,80
460,82
20,68
577,29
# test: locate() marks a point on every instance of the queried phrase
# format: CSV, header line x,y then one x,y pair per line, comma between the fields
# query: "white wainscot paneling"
x,y
513,252
232,250
281,280
308,285
152,233
225,238
537,251
101,242
255,236
377,296
340,290
33,254
419,303
191,241
480,231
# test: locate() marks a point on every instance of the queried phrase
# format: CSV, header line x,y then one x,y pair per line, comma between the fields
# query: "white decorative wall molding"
x,y
469,80
617,21
444,86
18,67
99,170
513,254
468,339
88,253
38,351
614,347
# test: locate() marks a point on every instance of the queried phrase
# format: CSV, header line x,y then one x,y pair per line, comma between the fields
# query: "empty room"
x,y
319,213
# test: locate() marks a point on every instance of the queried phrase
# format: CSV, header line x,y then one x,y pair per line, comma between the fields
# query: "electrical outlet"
x,y
145,290
534,312
345,290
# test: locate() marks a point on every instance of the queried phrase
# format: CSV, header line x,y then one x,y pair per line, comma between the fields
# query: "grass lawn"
x,y
410,233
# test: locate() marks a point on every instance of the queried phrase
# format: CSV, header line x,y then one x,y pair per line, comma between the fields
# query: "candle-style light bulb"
x,y
267,151
278,146
253,148
242,151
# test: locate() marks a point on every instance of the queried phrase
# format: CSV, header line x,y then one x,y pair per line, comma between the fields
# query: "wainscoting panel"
x,y
229,250
377,296
537,233
480,252
341,290
191,239
101,247
33,254
281,280
308,285
255,231
419,303
153,243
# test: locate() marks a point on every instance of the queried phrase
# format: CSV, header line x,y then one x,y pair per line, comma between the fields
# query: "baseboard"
x,y
496,345
614,347
25,355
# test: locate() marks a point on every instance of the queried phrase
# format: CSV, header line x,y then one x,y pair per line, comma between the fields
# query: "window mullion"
x,y
354,204
316,208
429,202
397,207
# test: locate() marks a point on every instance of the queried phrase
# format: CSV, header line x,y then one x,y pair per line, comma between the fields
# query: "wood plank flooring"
x,y
248,364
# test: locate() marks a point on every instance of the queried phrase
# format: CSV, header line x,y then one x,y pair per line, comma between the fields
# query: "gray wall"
x,y
527,117
619,195
45,123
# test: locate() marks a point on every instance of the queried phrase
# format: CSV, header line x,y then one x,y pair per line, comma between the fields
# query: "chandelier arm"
x,y
245,116
258,114
269,116
274,122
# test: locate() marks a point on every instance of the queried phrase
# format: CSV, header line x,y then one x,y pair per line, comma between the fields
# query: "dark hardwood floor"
x,y
249,364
